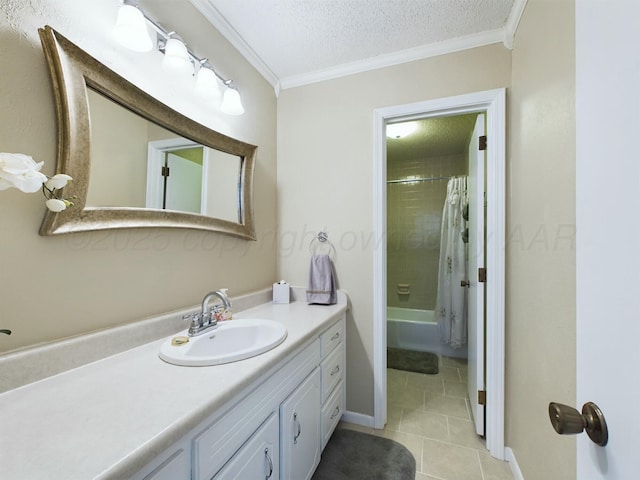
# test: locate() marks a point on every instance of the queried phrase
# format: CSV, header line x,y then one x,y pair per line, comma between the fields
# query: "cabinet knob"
x,y
567,420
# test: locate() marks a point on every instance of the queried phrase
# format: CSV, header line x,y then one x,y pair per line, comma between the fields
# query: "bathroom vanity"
x,y
132,415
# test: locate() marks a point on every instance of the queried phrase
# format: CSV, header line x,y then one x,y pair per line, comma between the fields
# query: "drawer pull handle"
x,y
295,419
336,412
335,337
335,370
268,457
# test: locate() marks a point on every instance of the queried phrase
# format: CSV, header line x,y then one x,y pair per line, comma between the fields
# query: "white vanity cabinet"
x,y
332,366
274,431
300,430
258,458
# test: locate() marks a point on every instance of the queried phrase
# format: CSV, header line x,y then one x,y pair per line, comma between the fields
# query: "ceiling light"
x,y
231,102
399,130
176,55
131,29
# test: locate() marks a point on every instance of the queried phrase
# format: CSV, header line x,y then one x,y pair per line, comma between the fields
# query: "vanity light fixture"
x,y
207,81
231,103
177,56
131,28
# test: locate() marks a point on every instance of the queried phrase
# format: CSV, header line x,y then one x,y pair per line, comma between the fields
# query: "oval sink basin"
x,y
232,341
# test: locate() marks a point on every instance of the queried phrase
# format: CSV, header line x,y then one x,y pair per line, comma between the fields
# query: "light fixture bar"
x,y
166,34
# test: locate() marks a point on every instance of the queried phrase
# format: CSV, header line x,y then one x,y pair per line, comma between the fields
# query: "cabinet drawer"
x,y
332,412
258,458
332,371
332,337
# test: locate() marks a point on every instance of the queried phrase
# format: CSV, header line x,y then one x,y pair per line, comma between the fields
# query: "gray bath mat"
x,y
352,455
412,361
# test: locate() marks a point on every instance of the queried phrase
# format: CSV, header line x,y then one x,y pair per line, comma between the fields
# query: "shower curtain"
x,y
451,300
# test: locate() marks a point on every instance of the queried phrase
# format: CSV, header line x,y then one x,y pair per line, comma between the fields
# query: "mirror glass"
x,y
136,162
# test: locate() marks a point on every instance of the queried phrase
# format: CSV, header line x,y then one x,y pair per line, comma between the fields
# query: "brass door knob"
x,y
567,420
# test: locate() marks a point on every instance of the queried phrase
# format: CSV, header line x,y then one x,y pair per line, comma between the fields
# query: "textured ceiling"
x,y
433,137
297,40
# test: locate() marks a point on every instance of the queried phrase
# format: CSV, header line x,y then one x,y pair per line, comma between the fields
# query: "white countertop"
x,y
110,418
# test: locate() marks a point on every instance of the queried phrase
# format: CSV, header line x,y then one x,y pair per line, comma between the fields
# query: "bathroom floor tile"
x,y
453,388
411,398
451,406
428,383
450,462
463,433
456,452
425,424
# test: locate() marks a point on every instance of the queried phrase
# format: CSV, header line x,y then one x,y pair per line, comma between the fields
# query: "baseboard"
x,y
510,457
358,419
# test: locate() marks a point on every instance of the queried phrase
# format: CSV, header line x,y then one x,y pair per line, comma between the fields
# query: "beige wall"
x,y
541,230
325,176
55,287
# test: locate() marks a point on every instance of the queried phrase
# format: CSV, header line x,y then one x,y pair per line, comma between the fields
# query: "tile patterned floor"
x,y
429,414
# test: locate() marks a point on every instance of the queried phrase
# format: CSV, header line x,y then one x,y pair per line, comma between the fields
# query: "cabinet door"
x,y
300,430
258,458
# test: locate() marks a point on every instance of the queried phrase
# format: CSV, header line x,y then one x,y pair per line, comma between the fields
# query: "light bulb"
x,y
176,56
131,29
231,102
207,83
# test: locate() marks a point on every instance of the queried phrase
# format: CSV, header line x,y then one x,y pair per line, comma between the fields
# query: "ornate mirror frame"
x,y
72,71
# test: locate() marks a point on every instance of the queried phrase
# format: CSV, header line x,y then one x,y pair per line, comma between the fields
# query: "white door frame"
x,y
493,104
155,160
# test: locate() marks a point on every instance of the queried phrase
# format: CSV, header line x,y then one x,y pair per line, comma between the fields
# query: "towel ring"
x,y
321,241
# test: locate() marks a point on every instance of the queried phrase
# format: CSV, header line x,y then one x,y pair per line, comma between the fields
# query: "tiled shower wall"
x,y
414,216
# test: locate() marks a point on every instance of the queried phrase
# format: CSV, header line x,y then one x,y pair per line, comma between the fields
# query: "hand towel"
x,y
322,281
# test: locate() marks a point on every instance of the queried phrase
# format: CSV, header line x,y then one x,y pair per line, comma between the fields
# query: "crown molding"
x,y
512,22
395,58
212,14
505,36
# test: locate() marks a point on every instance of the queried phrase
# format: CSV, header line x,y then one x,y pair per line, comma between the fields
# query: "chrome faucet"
x,y
207,319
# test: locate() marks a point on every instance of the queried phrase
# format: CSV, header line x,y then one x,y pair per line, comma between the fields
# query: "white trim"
x,y
493,103
155,160
216,19
358,419
510,457
409,55
513,21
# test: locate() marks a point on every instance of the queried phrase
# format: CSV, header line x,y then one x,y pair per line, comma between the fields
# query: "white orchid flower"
x,y
20,171
59,180
56,205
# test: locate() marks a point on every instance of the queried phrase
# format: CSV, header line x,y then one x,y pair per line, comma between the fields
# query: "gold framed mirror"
x,y
77,76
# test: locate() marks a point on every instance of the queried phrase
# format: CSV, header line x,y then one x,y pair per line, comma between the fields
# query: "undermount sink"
x,y
231,341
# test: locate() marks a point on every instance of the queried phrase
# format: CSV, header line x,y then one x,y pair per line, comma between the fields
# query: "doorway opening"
x,y
491,106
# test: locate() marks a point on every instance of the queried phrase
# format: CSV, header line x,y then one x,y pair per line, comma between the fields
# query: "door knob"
x,y
567,420
464,283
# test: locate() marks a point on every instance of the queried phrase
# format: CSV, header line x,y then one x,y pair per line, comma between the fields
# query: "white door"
x,y
475,299
608,231
184,184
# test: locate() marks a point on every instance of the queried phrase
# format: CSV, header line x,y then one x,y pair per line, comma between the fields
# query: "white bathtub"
x,y
414,329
